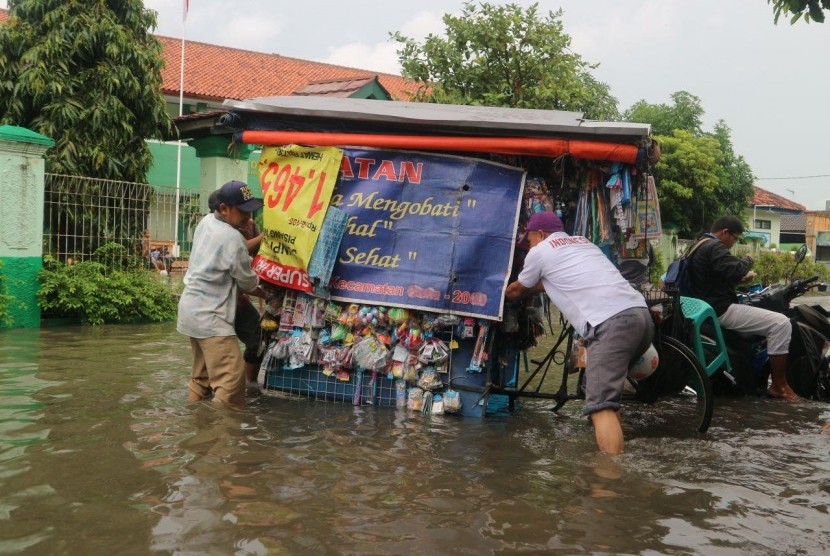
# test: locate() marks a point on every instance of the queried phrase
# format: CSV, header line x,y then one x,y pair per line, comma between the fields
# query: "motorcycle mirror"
x,y
801,253
799,258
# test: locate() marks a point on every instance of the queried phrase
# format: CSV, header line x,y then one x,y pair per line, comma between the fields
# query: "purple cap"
x,y
238,194
542,222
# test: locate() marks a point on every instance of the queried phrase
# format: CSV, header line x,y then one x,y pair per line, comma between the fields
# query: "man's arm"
x,y
517,290
727,266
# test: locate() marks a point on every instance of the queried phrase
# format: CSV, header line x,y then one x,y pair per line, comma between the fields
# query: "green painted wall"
x,y
21,283
163,170
253,174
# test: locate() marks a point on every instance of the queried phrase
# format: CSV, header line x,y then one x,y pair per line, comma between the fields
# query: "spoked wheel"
x,y
677,398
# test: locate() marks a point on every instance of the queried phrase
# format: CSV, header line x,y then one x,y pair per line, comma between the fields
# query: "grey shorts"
x,y
612,347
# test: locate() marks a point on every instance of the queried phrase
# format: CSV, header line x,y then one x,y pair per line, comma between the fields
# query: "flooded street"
x,y
100,454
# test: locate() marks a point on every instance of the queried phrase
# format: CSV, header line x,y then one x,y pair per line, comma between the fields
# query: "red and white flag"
x,y
186,7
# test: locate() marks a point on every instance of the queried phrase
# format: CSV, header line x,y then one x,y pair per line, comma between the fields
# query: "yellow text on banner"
x,y
297,183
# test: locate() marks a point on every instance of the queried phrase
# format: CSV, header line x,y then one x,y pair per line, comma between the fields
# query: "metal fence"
x,y
105,220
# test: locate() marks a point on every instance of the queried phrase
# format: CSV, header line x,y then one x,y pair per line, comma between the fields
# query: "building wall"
x,y
163,170
774,233
817,222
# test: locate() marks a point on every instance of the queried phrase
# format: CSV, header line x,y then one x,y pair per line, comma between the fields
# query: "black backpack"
x,y
678,276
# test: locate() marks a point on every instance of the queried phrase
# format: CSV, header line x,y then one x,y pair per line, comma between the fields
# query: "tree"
x,y
734,190
687,176
810,10
86,73
685,113
504,55
699,176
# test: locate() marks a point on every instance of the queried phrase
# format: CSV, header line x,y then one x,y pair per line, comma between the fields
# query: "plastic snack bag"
x,y
452,401
415,399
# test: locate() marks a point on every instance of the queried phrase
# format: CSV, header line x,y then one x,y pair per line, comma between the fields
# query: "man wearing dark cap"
x,y
610,316
246,321
219,268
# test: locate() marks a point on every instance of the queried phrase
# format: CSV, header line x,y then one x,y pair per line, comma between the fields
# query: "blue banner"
x,y
426,231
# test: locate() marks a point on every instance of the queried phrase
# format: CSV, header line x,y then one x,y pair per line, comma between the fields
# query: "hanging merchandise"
x,y
536,198
619,187
480,356
647,221
467,328
415,399
400,394
452,402
370,353
324,255
437,404
287,312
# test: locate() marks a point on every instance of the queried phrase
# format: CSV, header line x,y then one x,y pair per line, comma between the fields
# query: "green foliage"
x,y
117,257
86,73
774,267
810,10
771,267
656,269
504,55
734,190
687,177
5,300
684,113
699,176
97,295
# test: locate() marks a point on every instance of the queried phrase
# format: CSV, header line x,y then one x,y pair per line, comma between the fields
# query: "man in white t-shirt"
x,y
610,316
219,268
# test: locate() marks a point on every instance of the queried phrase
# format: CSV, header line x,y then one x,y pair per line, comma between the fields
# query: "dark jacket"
x,y
715,272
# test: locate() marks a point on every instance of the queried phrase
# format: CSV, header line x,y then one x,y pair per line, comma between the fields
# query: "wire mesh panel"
x,y
360,388
115,221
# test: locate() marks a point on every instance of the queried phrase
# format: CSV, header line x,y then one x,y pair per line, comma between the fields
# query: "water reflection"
x,y
100,454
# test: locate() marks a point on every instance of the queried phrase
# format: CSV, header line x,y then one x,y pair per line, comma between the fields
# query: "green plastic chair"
x,y
699,312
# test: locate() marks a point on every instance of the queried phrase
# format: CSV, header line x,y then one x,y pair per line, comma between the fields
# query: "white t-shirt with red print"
x,y
579,279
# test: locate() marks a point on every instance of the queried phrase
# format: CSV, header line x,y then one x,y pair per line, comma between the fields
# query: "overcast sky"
x,y
769,83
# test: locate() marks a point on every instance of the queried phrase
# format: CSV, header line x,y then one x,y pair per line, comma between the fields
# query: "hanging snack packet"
x,y
333,311
452,401
287,312
415,399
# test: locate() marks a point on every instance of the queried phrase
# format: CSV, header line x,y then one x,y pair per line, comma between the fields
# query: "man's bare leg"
x,y
251,372
780,388
608,431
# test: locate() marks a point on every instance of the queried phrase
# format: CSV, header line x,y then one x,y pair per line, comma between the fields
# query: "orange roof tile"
x,y
764,197
218,72
214,72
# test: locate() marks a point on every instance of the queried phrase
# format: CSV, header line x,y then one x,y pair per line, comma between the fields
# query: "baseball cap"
x,y
542,222
238,194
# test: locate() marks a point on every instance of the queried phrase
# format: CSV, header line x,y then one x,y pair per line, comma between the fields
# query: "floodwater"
x,y
100,454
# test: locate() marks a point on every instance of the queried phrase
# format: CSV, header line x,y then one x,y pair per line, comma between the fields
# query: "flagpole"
x,y
179,141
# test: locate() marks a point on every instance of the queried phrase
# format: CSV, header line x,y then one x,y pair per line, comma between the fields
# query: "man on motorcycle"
x,y
714,273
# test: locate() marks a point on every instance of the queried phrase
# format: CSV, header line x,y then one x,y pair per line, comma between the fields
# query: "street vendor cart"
x,y
390,235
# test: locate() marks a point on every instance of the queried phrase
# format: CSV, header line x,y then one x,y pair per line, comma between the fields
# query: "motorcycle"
x,y
808,363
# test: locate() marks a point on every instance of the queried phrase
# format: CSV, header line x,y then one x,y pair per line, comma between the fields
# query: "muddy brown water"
x,y
100,454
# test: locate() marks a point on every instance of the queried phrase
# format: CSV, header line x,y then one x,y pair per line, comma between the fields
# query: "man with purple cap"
x,y
219,268
611,317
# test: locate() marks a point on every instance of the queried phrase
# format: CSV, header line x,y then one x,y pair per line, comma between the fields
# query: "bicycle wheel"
x,y
677,398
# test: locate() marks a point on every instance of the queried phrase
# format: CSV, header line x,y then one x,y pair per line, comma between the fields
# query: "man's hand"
x,y
749,277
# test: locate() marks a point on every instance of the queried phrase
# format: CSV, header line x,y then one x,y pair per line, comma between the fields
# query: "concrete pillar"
x,y
219,164
21,220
